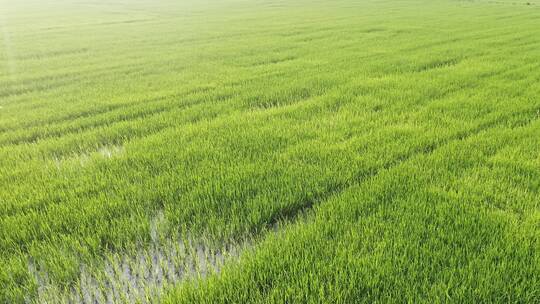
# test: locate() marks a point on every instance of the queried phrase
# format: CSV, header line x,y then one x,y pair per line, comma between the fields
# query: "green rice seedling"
x,y
269,151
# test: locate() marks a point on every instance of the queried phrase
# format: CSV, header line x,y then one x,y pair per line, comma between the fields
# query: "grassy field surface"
x,y
269,151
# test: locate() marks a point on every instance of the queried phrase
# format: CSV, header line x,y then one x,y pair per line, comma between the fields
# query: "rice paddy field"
x,y
269,151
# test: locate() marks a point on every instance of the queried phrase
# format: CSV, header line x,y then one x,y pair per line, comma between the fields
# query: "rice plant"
x,y
269,151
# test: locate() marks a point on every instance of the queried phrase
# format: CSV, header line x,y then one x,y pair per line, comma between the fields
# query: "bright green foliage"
x,y
368,151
